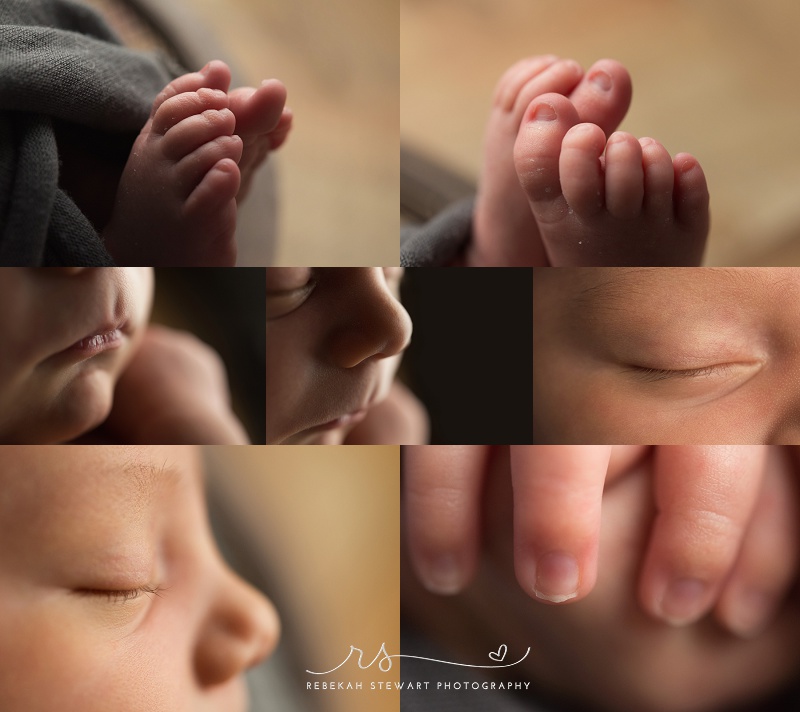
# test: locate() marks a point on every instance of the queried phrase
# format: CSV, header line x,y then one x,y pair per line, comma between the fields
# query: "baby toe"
x,y
624,176
581,172
211,210
194,167
537,151
187,104
215,75
691,193
659,177
603,95
561,77
193,132
516,76
216,188
258,111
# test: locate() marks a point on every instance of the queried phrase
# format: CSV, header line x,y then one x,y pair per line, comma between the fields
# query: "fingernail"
x,y
748,613
683,601
544,112
601,80
557,577
205,69
443,575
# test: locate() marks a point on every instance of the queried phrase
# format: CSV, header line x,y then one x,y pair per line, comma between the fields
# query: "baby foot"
x,y
262,119
505,231
176,201
617,202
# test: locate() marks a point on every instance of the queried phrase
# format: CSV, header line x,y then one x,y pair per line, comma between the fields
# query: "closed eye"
x,y
124,595
651,375
285,302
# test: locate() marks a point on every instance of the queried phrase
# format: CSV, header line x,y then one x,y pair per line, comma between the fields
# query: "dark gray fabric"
x,y
439,242
60,62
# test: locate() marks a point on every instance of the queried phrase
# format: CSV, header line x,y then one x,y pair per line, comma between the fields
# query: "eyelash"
x,y
125,595
652,375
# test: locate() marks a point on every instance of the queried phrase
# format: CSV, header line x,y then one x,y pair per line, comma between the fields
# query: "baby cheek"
x,y
53,658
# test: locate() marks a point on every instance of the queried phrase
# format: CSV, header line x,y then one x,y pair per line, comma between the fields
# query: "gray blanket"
x,y
439,242
59,62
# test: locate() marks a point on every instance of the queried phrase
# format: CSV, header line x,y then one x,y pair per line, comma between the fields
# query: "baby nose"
x,y
374,323
241,629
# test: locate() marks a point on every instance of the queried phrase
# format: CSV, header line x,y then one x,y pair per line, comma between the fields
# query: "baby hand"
x,y
399,419
709,521
175,391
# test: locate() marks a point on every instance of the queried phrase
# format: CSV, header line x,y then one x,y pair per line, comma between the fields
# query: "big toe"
x,y
538,147
258,111
604,94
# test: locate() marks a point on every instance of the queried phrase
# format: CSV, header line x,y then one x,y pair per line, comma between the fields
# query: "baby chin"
x,y
83,404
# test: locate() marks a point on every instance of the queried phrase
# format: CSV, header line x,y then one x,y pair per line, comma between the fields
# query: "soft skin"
x,y
195,157
334,341
560,186
604,651
642,356
52,387
90,525
712,504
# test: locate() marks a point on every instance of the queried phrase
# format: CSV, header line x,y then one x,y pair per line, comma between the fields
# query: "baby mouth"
x,y
97,343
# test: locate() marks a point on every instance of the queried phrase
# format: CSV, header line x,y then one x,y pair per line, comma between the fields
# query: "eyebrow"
x,y
148,477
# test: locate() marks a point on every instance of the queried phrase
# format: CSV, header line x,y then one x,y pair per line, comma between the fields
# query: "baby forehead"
x,y
44,481
667,288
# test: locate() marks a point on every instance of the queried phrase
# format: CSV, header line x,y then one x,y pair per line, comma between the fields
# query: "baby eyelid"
x,y
662,374
282,280
282,303
124,595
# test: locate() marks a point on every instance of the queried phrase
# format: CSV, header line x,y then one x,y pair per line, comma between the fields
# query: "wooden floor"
x,y
339,172
717,78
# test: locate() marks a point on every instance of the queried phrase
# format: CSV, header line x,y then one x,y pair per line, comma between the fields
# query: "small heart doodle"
x,y
500,655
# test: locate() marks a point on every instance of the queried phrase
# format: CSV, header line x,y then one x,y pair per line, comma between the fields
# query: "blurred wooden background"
x,y
717,78
326,523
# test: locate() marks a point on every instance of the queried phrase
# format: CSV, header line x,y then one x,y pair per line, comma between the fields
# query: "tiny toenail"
x,y
545,112
601,80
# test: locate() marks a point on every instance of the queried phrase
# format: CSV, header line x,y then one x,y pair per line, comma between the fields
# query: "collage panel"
x,y
599,578
165,133
666,356
115,593
336,337
132,355
536,133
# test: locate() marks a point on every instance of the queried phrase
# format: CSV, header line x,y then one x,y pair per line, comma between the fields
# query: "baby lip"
x,y
99,340
106,337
